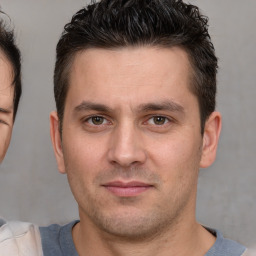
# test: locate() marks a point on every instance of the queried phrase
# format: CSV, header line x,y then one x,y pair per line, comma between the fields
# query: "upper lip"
x,y
126,184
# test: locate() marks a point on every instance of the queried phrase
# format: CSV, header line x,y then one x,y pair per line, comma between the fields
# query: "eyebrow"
x,y
5,111
165,105
87,105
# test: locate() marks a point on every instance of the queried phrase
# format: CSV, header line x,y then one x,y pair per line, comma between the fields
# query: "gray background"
x,y
31,189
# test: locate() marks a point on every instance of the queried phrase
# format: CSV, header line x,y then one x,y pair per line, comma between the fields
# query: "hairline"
x,y
71,56
13,82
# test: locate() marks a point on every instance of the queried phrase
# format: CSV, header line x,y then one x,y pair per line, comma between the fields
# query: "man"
x,y
135,85
10,86
16,238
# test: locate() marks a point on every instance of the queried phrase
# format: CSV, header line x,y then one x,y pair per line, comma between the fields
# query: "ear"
x,y
56,141
210,139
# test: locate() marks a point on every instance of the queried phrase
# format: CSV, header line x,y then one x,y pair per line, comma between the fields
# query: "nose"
x,y
126,147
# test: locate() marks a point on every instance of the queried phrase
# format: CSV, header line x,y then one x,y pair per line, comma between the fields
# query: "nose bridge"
x,y
126,148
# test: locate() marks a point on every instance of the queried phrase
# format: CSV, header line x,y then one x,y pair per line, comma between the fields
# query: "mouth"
x,y
127,189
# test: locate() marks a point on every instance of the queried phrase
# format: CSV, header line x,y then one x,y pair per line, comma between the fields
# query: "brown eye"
x,y
159,120
97,120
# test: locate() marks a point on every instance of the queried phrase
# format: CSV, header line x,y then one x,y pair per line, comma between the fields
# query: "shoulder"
x,y
250,252
19,238
57,239
225,247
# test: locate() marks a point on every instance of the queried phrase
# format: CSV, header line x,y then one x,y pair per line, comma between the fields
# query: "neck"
x,y
185,237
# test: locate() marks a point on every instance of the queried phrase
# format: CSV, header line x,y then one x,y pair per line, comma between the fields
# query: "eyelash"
x,y
3,122
105,121
166,120
87,120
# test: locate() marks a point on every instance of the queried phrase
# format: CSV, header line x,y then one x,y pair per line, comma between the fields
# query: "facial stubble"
x,y
130,221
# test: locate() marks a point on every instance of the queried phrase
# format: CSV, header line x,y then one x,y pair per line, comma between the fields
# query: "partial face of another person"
x,y
131,143
6,104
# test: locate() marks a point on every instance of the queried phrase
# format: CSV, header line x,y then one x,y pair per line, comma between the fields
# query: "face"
x,y
6,105
131,143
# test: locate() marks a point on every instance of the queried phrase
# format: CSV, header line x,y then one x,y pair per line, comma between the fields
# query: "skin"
x,y
6,104
131,147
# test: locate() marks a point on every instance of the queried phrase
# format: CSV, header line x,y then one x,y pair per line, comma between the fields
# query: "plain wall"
x,y
31,189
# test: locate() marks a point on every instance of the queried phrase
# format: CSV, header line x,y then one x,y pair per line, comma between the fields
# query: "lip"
x,y
127,189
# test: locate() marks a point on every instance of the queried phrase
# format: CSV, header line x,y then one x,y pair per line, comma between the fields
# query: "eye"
x,y
158,120
3,122
96,120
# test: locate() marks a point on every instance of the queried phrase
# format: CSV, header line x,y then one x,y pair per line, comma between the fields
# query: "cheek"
x,y
84,156
176,157
5,137
2,152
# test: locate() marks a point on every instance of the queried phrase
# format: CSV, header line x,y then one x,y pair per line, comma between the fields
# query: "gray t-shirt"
x,y
57,241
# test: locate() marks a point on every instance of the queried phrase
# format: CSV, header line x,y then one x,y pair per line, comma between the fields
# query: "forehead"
x,y
6,87
129,74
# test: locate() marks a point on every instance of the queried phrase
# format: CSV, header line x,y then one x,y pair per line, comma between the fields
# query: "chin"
x,y
130,226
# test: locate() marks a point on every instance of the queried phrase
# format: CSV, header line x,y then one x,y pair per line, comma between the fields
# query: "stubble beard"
x,y
135,228
129,225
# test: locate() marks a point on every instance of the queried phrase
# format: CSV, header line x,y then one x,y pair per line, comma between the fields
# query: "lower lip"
x,y
127,191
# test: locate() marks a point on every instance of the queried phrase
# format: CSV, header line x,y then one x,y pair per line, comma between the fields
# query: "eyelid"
x,y
108,121
165,121
168,119
86,119
3,122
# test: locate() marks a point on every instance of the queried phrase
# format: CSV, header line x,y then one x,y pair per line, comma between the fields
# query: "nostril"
x,y
127,159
